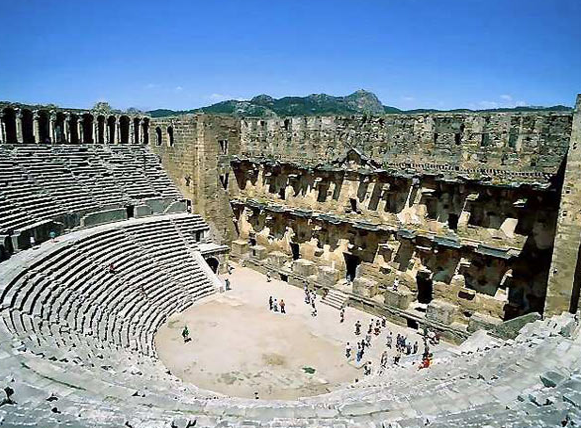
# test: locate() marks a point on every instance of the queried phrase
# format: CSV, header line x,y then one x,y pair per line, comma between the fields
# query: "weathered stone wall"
x,y
195,160
565,276
518,142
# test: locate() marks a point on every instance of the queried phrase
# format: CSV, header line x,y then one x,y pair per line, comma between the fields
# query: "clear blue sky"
x,y
184,54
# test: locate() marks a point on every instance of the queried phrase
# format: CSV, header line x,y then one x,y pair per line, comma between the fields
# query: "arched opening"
x,y
73,129
87,129
158,136
59,128
27,127
124,129
295,250
213,263
145,130
170,136
101,129
44,127
425,287
136,133
9,121
111,129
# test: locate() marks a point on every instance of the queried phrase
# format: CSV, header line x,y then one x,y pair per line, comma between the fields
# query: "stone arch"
x,y
59,128
124,123
87,125
9,121
44,127
27,127
214,264
170,141
101,129
73,136
111,123
145,130
158,135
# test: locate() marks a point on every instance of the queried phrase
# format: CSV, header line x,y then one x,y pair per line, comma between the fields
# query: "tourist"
x,y
383,322
348,350
408,349
256,395
230,269
396,284
314,312
112,268
186,334
282,306
363,344
416,347
370,329
270,303
367,368
389,340
397,357
368,340
359,355
384,358
342,315
268,277
357,328
32,242
227,284
275,306
52,235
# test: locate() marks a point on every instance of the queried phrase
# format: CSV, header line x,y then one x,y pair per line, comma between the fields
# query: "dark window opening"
x,y
453,221
252,241
435,137
170,136
130,211
412,323
353,203
485,140
145,130
224,180
295,250
424,288
283,277
9,121
286,124
158,136
351,264
198,236
213,263
100,130
282,193
27,127
136,131
458,139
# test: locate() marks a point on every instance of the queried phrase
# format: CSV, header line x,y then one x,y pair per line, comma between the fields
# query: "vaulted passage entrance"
x,y
351,264
425,287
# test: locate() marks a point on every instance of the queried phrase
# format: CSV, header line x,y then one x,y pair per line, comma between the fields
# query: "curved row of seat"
x,y
44,182
76,348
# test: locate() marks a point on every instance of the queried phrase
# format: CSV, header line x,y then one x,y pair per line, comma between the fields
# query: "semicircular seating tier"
x,y
76,347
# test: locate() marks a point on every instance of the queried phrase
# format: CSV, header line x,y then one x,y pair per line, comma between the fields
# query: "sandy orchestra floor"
x,y
239,347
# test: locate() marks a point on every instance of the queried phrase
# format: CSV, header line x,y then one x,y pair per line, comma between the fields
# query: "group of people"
x,y
403,346
274,305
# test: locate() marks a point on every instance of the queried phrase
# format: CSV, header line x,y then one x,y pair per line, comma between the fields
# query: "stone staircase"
x,y
335,298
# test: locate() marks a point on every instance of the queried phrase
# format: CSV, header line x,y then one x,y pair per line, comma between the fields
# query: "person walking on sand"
x,y
348,350
282,306
186,334
270,303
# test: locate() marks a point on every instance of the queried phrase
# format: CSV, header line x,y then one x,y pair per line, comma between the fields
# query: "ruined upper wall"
x,y
530,144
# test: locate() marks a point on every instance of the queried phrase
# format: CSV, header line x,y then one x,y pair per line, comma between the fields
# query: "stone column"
x,y
95,130
141,132
106,131
36,127
2,129
51,127
19,136
131,131
80,129
117,131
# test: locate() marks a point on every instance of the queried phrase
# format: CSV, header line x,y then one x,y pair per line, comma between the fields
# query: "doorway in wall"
x,y
425,287
295,250
351,264
213,263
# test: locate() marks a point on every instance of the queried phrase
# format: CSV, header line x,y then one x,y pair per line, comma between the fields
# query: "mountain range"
x,y
359,102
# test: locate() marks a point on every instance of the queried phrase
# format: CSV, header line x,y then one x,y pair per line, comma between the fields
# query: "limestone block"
x,y
365,287
304,267
143,211
441,311
479,321
239,248
458,281
278,258
328,276
259,252
400,299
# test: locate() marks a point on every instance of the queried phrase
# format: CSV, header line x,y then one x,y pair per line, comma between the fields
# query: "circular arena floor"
x,y
239,347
